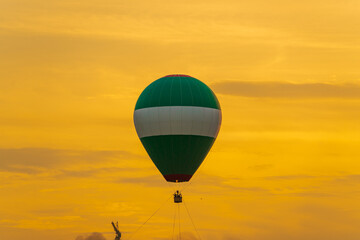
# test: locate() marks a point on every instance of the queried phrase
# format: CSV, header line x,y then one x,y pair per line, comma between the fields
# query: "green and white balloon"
x,y
177,119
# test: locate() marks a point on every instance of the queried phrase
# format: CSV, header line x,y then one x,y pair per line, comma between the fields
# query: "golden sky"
x,y
285,164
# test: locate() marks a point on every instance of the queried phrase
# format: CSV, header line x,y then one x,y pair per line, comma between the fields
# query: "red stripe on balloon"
x,y
177,177
177,75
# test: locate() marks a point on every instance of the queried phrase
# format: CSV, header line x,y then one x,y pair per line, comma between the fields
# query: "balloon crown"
x,y
177,75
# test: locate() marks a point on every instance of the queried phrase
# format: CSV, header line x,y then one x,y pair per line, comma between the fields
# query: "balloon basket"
x,y
177,197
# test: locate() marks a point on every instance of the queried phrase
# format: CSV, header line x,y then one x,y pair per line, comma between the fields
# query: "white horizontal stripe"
x,y
177,120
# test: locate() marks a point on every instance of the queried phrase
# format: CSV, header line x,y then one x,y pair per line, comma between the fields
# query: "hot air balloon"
x,y
177,119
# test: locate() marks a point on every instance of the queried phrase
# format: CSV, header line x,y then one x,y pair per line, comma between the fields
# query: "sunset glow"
x,y
285,164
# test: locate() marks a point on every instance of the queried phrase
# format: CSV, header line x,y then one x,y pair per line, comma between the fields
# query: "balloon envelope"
x,y
177,119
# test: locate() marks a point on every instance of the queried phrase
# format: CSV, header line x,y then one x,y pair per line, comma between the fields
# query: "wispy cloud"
x,y
92,236
348,179
151,181
290,177
25,158
182,235
44,222
58,164
287,90
261,167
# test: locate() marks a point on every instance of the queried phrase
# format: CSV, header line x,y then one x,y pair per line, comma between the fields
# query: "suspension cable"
x,y
192,221
174,224
179,222
149,218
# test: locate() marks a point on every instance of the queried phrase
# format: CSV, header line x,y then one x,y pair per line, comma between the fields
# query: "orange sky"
x,y
285,164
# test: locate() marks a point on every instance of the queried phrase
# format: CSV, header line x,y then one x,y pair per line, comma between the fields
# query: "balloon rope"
x,y
192,221
174,223
149,218
179,221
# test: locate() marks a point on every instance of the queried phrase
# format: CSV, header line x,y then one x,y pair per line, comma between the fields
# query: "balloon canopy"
x,y
177,119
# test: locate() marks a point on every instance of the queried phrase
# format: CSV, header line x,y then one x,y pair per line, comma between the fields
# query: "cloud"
x,y
211,181
217,185
182,235
261,167
92,236
11,159
43,222
290,177
348,179
287,90
35,160
152,180
93,172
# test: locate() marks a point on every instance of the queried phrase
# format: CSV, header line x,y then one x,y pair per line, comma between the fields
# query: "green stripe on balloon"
x,y
177,90
179,155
